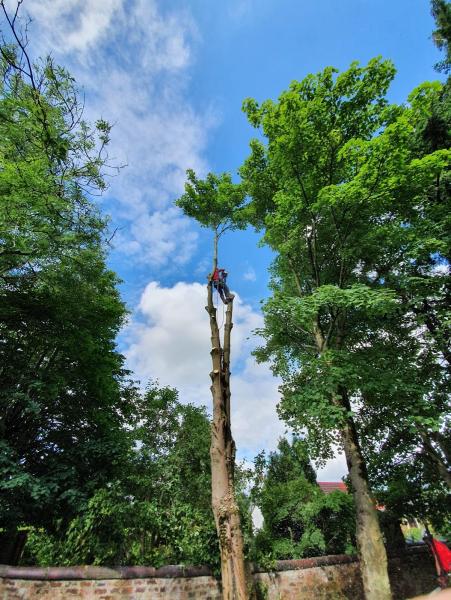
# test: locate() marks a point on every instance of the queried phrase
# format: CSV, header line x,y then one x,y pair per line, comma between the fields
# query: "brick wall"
x,y
322,578
108,589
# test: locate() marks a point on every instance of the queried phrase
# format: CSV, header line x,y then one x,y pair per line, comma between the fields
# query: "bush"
x,y
115,529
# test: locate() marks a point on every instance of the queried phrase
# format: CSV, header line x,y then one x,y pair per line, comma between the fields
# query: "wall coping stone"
x,y
173,571
309,563
93,572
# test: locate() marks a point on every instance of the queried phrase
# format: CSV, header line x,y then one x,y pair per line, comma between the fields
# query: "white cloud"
x,y
441,269
334,470
161,41
250,274
166,234
72,25
171,342
158,43
133,59
255,422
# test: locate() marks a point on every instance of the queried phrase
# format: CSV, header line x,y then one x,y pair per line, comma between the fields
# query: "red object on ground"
x,y
443,554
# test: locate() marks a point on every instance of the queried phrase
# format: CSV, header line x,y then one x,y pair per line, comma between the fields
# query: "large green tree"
x,y
157,509
321,187
64,395
409,452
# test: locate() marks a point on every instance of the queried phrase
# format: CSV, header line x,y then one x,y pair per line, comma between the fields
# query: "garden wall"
x,y
321,578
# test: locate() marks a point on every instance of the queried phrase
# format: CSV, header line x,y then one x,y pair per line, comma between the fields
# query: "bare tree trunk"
x,y
372,554
222,452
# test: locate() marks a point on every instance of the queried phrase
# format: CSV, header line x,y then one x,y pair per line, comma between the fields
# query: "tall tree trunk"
x,y
372,554
222,452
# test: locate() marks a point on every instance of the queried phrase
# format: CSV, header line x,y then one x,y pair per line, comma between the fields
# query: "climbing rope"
x,y
223,316
217,307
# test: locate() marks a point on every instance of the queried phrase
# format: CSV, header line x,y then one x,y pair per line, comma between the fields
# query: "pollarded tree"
x,y
216,203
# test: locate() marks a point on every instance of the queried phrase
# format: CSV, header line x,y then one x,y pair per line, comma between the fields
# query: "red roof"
x,y
330,486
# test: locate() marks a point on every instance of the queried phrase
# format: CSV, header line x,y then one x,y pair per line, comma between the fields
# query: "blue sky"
x,y
172,76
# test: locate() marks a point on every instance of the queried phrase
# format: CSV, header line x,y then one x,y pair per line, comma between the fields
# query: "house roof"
x,y
330,486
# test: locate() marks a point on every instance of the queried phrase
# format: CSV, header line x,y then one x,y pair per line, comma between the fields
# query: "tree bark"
x,y
222,452
370,544
440,465
372,553
433,326
441,442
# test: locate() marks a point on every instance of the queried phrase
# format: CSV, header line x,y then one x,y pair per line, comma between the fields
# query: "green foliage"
x,y
261,590
414,534
41,547
353,196
158,510
407,483
307,130
407,431
116,528
64,394
48,163
214,202
441,11
299,519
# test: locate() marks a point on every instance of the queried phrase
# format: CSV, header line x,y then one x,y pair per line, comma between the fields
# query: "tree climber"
x,y
219,280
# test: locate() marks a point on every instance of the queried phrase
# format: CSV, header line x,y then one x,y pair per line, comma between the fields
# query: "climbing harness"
x,y
218,283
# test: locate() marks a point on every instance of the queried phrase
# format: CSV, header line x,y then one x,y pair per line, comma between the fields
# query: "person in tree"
x,y
219,280
442,558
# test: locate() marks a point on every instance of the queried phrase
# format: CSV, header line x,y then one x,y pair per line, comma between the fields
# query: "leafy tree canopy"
x,y
441,11
343,195
299,519
157,509
64,393
214,202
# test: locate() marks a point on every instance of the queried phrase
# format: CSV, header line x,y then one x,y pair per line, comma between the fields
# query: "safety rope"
x,y
223,316
223,309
